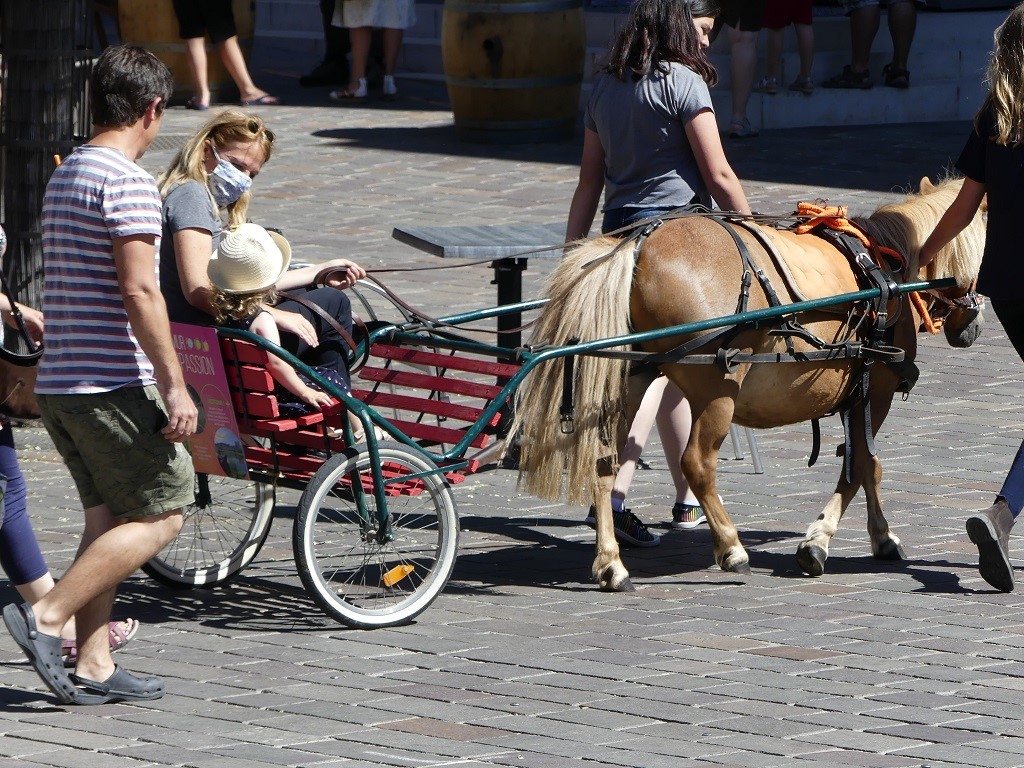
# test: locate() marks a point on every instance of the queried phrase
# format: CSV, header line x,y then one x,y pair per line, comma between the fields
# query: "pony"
x,y
687,270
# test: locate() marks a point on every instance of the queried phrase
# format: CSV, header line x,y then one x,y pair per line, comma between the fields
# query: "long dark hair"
x,y
658,32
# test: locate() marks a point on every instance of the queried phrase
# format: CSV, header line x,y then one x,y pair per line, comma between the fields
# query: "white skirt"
x,y
389,14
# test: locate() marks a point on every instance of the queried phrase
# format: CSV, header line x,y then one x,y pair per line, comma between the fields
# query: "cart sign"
x,y
216,447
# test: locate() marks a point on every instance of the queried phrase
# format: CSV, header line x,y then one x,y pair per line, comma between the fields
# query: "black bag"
x,y
19,356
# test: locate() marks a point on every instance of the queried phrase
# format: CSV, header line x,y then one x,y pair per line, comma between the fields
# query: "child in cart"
x,y
243,272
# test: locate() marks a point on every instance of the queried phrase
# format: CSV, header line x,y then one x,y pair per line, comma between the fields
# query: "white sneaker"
x,y
389,86
358,93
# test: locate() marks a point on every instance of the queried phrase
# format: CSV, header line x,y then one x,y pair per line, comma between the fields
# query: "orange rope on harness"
x,y
835,217
930,325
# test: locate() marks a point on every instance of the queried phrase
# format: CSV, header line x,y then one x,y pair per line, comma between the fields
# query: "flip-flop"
x,y
266,100
118,640
120,686
197,105
43,651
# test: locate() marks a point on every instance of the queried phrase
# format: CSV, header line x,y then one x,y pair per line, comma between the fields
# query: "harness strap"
x,y
318,310
773,298
815,442
848,350
749,266
856,245
565,410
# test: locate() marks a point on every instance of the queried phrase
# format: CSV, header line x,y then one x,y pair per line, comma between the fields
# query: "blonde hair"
x,y
227,127
238,306
1005,79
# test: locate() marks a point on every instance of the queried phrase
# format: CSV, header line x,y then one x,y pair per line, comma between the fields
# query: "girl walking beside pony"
x,y
993,163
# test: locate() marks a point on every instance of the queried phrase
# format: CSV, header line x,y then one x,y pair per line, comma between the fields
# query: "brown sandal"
x,y
896,78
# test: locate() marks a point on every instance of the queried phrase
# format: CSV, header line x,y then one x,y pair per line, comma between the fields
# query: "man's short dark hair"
x,y
125,81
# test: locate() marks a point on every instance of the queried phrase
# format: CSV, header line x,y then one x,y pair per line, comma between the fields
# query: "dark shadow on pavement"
x,y
880,158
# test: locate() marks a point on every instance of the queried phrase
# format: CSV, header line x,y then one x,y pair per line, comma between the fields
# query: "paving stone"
x,y
522,661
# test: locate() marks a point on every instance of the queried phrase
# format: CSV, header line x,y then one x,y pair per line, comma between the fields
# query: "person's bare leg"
x,y
111,550
674,424
37,589
864,24
743,61
639,431
234,63
392,47
359,38
902,25
805,46
34,591
195,52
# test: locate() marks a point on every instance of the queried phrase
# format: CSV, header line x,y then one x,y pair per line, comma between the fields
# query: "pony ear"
x,y
926,184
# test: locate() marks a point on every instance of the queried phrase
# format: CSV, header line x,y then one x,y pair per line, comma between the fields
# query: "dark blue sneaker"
x,y
628,528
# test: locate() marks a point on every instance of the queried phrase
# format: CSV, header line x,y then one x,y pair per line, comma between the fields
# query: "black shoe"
x,y
849,79
326,73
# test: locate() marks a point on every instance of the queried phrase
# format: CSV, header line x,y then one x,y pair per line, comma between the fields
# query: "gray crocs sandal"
x,y
43,651
120,686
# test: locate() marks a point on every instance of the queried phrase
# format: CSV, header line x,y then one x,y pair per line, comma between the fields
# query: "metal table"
x,y
505,244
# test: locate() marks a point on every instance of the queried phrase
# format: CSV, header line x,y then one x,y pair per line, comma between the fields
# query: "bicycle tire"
x,y
356,579
224,530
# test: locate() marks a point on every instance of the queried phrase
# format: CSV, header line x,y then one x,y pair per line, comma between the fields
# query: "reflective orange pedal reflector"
x,y
396,574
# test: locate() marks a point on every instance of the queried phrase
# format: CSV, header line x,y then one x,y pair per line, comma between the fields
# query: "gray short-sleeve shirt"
x,y
187,206
642,127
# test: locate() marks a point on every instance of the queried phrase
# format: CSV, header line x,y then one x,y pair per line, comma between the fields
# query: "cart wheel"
x,y
356,579
224,530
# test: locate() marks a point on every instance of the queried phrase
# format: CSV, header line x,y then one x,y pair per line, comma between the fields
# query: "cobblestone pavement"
x,y
521,662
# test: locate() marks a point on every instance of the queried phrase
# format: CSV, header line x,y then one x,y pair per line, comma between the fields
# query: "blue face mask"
x,y
226,182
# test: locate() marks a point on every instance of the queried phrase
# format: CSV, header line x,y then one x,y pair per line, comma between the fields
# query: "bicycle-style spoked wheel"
x,y
223,532
352,575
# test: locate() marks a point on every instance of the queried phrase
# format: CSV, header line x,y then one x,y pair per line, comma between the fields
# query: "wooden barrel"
x,y
513,69
153,25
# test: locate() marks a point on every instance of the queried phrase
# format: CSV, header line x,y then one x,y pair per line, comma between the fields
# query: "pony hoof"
x,y
811,559
623,586
742,568
891,551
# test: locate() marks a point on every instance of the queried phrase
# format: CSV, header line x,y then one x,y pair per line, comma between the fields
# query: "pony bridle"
x,y
968,300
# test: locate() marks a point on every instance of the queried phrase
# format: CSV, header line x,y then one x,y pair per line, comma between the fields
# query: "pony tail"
x,y
588,298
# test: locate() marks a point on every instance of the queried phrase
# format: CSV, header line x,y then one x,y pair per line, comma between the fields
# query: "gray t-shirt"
x,y
648,159
187,206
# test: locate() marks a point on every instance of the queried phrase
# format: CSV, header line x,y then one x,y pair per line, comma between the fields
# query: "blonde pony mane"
x,y
904,226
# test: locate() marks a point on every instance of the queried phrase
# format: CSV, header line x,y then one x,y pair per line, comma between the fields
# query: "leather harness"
x,y
873,340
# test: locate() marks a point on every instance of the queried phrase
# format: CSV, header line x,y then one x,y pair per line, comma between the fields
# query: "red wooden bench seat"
x,y
427,395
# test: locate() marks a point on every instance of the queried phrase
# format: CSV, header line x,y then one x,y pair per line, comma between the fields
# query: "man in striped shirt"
x,y
110,388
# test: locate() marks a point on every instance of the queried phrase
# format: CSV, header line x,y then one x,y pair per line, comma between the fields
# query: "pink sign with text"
x,y
216,447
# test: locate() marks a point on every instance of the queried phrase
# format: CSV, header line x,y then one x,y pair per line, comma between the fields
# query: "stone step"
x,y
947,63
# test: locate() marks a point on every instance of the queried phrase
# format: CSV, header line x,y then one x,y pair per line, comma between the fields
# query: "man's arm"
x,y
135,260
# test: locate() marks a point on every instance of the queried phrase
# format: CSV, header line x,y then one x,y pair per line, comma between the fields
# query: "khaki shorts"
x,y
112,445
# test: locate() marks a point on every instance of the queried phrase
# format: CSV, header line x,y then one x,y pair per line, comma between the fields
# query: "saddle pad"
x,y
811,266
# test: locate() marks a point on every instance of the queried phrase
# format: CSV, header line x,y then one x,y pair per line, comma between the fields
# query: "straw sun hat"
x,y
249,259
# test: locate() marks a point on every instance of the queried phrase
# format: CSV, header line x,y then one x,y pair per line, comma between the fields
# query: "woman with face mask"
x,y
210,180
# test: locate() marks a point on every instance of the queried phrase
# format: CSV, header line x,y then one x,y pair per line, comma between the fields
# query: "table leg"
x,y
508,276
